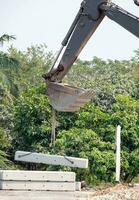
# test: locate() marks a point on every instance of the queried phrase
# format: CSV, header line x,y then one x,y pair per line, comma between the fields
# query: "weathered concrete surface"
x,y
42,195
24,175
39,186
117,192
51,159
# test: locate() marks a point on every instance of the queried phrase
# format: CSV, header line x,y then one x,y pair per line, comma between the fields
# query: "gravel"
x,y
118,192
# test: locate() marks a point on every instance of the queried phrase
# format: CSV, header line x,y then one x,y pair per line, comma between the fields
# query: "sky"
x,y
47,21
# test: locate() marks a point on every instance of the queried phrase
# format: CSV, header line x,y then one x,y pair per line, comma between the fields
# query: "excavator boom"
x,y
85,24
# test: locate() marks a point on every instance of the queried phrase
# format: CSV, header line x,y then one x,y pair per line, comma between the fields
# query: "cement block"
x,y
53,176
78,186
51,159
41,186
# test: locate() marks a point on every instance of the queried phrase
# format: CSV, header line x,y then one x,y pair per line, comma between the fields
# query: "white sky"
x,y
47,21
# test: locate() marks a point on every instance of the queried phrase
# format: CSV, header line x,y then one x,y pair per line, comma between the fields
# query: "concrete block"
x,y
53,176
51,159
78,186
42,186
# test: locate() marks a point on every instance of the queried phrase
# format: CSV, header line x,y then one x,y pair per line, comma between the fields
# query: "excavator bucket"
x,y
67,98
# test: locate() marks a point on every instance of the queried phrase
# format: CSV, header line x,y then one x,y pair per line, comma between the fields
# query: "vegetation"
x,y
25,113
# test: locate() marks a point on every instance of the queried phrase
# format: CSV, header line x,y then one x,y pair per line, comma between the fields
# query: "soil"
x,y
117,192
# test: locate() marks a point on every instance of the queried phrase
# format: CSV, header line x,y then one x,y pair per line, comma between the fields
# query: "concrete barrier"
x,y
37,180
51,159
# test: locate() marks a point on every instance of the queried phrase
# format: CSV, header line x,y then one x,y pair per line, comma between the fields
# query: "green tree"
x,y
32,121
107,78
124,112
91,131
88,144
8,67
4,144
35,61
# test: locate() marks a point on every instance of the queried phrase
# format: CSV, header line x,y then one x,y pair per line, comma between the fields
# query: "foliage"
x,y
3,160
107,78
6,38
34,62
25,112
124,112
32,118
8,68
8,65
4,144
88,144
88,133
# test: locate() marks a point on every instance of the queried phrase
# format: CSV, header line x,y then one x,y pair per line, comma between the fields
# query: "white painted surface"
x,y
51,159
32,185
78,186
55,176
118,151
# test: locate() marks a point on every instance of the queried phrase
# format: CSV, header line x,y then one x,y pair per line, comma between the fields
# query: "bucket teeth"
x,y
67,98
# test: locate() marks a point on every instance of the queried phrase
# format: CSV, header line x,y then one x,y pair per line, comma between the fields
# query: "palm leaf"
x,y
6,38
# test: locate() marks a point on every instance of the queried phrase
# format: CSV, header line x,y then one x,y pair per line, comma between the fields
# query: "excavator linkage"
x,y
64,97
91,13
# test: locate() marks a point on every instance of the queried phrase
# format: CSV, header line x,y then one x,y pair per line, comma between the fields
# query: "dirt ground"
x,y
118,192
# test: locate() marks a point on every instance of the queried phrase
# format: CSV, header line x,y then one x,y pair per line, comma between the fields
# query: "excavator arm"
x,y
87,20
127,20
